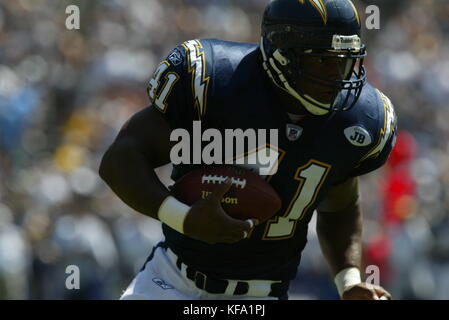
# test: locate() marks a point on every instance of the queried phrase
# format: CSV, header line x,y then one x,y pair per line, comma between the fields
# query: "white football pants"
x,y
161,279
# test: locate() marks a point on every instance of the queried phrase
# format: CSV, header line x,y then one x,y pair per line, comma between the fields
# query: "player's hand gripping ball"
x,y
250,197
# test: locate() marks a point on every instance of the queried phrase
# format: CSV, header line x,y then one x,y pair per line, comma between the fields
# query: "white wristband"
x,y
346,278
173,212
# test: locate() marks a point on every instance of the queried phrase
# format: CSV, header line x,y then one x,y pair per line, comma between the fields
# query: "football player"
x,y
305,78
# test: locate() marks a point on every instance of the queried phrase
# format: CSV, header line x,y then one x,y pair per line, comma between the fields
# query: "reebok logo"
x,y
161,283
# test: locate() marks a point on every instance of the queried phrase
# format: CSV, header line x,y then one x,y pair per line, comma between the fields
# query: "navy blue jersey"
x,y
224,85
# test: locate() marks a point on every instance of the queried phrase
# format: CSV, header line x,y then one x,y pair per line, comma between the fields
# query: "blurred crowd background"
x,y
65,94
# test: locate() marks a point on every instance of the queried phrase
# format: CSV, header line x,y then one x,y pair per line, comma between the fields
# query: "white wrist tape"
x,y
173,212
346,278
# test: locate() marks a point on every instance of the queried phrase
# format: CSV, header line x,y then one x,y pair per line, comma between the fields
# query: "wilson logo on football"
x,y
225,200
358,136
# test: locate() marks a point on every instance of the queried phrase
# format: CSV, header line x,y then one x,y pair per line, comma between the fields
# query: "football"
x,y
249,196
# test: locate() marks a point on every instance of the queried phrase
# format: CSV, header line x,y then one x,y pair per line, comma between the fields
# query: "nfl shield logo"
x,y
294,132
175,57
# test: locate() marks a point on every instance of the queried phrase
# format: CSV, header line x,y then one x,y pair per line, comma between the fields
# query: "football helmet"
x,y
312,50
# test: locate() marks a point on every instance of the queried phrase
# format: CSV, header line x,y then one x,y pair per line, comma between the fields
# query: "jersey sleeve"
x,y
386,140
168,89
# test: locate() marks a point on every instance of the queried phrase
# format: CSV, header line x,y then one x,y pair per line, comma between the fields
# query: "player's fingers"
x,y
383,294
252,223
240,226
235,231
365,296
221,189
372,295
238,229
238,236
364,293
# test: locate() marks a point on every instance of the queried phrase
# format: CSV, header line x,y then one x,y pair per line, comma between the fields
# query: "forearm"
x,y
131,176
340,236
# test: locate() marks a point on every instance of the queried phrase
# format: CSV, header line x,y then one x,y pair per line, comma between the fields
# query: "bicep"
x,y
148,132
340,197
